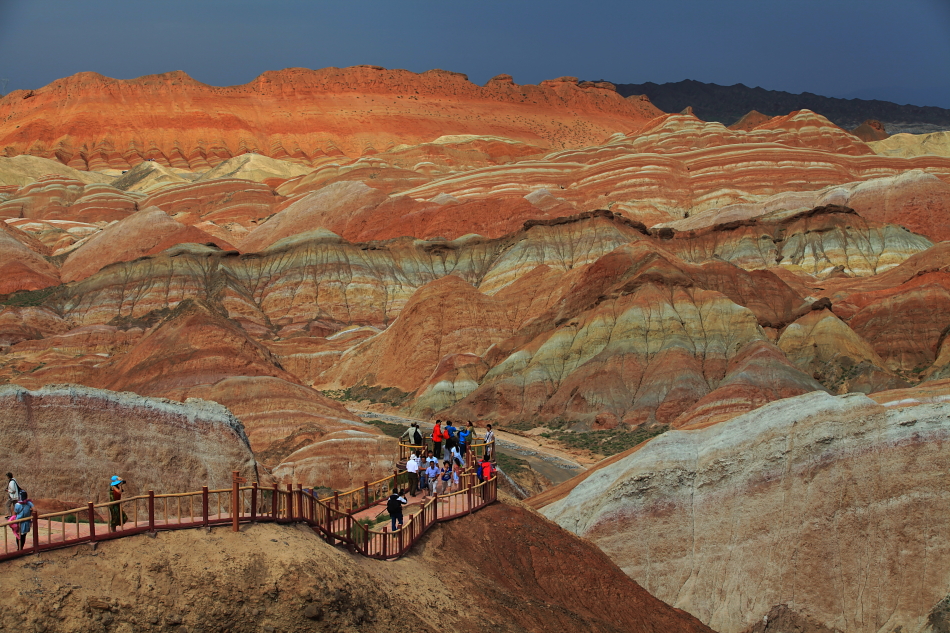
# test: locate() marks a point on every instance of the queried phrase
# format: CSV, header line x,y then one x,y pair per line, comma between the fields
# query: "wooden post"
x,y
365,494
273,503
151,510
236,482
204,505
254,501
35,520
92,521
336,500
471,499
385,540
435,505
301,513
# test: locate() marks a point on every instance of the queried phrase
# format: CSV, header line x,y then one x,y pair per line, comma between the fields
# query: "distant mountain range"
x,y
727,104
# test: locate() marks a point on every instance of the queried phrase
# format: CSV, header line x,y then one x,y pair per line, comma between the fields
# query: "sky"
x,y
872,49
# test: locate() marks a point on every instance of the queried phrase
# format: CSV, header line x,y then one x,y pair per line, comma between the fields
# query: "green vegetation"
x,y
605,443
511,465
390,429
384,395
29,298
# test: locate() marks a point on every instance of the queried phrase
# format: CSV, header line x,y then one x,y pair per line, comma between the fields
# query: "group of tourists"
x,y
455,442
426,476
19,506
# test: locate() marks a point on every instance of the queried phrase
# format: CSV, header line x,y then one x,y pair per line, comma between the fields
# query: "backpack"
x,y
394,505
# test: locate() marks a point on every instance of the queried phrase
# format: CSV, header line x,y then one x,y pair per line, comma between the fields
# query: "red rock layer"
x,y
93,122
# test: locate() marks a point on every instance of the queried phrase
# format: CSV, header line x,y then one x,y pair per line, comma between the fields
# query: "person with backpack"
x,y
13,492
22,510
437,439
394,506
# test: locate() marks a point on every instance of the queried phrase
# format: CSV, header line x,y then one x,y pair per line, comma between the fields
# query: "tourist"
x,y
455,457
489,442
464,435
13,491
437,439
456,469
423,479
451,440
394,507
412,469
431,459
412,435
117,517
485,472
445,478
23,510
432,475
472,437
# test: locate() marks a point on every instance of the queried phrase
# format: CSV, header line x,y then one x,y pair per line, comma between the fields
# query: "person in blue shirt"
x,y
23,510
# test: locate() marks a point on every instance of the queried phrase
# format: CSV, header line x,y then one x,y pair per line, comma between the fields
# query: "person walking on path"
x,y
432,475
23,510
394,507
437,439
13,492
445,478
117,517
412,469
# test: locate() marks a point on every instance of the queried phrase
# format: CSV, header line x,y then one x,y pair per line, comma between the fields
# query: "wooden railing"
x,y
333,516
478,449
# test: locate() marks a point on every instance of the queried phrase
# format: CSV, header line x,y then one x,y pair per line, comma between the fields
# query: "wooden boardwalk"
x,y
347,518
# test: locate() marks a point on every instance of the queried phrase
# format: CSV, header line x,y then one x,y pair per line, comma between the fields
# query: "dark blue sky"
x,y
897,50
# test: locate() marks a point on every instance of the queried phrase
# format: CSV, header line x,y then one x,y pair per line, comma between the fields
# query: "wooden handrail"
x,y
337,526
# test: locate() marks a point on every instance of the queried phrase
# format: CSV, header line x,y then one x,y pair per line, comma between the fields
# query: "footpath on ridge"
x,y
556,466
346,518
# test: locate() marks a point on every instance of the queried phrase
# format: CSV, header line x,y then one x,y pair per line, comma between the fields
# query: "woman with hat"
x,y
117,517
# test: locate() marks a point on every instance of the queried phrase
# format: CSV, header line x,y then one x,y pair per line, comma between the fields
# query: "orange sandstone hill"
x,y
89,121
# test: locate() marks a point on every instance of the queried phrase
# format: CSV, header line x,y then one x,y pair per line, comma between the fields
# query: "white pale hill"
x,y
22,170
257,168
910,145
147,176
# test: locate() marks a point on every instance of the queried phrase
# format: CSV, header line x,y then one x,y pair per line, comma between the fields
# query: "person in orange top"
x,y
437,439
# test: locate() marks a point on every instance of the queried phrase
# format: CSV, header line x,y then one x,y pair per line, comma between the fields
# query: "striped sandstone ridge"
x,y
308,115
673,170
566,319
819,503
155,444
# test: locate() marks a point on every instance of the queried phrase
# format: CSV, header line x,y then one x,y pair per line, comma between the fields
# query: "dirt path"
x,y
557,466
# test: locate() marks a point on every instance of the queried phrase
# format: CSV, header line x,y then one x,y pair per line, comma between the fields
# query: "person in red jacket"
x,y
484,474
437,439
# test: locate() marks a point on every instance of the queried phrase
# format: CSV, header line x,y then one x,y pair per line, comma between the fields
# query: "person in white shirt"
x,y
489,442
412,467
13,492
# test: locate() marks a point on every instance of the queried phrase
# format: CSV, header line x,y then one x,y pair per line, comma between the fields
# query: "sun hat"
x,y
116,480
